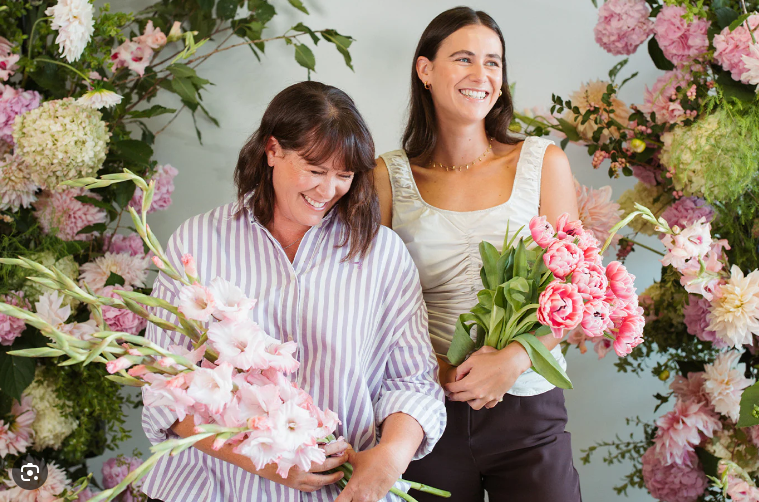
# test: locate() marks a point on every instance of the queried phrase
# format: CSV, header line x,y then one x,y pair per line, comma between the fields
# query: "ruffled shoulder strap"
x,y
401,177
530,168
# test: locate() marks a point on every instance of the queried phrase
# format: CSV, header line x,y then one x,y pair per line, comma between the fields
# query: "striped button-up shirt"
x,y
361,330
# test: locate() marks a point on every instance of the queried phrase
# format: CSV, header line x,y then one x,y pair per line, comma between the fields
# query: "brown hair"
x,y
319,122
420,136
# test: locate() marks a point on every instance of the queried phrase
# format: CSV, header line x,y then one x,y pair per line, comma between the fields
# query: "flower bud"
x,y
175,33
158,263
637,145
189,265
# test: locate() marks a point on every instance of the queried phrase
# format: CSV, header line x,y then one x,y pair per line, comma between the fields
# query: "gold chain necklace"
x,y
453,168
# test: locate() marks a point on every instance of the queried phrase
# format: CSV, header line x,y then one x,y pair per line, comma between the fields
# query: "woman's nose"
x,y
327,188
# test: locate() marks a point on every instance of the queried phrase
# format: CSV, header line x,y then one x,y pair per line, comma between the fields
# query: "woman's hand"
x,y
374,472
487,375
311,480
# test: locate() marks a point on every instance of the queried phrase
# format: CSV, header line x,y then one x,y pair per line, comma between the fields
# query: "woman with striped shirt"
x,y
304,239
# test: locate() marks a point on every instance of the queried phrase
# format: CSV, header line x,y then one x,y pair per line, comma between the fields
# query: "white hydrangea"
x,y
61,140
51,426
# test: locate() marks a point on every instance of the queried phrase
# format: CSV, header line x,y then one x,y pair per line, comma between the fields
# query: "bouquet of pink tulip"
x,y
233,381
557,285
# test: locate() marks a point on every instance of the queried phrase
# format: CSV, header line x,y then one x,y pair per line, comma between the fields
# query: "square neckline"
x,y
518,169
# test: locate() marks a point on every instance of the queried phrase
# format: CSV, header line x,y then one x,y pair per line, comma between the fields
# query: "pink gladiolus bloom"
x,y
117,365
302,457
595,320
190,268
231,302
212,387
692,243
261,449
196,302
590,280
562,257
137,371
292,426
673,482
542,232
132,55
169,391
242,344
152,37
561,307
680,430
280,357
621,282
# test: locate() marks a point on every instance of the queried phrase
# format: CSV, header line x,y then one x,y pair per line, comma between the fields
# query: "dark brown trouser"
x,y
517,452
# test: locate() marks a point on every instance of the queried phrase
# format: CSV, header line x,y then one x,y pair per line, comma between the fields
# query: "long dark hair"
x,y
319,122
420,136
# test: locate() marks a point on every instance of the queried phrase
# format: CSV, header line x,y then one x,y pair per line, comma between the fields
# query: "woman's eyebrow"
x,y
470,53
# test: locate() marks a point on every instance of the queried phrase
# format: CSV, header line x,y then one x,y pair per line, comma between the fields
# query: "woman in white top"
x,y
462,178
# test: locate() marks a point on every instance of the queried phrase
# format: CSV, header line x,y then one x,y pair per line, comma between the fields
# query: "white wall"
x,y
549,48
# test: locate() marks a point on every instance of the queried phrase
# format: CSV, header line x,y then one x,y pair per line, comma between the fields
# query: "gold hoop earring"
x,y
427,85
500,93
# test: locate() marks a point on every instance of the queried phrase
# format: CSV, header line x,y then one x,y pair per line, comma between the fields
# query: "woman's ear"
x,y
424,69
273,150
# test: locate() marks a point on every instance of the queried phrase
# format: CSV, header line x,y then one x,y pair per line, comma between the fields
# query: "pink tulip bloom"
x,y
621,282
196,302
595,319
629,334
561,307
590,280
542,232
562,257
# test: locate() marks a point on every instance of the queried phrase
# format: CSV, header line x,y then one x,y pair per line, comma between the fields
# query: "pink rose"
x,y
621,282
561,307
542,232
590,280
595,319
562,257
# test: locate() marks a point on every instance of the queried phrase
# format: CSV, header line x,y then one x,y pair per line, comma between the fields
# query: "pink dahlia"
x,y
116,469
697,321
673,482
8,60
732,46
164,186
663,98
14,102
17,190
16,435
561,307
12,327
56,482
562,257
690,388
60,213
680,430
724,384
598,212
120,243
680,41
133,269
121,319
686,211
622,26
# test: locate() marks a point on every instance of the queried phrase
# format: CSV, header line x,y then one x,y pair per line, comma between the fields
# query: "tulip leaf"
x,y
490,257
543,361
461,344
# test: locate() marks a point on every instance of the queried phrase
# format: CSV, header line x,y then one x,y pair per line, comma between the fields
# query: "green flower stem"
x,y
60,63
427,489
616,228
636,243
31,35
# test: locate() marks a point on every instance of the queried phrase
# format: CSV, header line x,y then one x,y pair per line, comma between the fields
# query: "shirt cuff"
x,y
157,422
427,410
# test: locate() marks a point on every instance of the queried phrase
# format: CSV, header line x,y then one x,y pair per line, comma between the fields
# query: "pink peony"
x,y
196,302
680,430
116,469
17,435
120,243
686,211
621,282
590,280
732,46
595,320
598,212
14,102
561,307
164,186
132,55
690,388
60,213
562,257
663,99
542,232
697,322
12,327
680,41
8,60
673,482
121,319
622,26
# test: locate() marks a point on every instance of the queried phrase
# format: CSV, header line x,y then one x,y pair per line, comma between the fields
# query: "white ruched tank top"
x,y
445,245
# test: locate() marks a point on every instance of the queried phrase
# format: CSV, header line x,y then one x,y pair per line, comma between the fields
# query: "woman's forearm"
x,y
402,435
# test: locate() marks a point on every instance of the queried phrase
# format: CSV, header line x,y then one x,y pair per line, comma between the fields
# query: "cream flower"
x,y
133,269
16,189
734,314
99,98
598,213
73,20
724,384
590,96
51,426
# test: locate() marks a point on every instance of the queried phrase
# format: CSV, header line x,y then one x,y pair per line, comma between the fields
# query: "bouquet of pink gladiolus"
x,y
559,284
233,381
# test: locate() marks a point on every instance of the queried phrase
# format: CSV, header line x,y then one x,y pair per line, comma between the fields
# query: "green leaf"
x,y
305,57
226,9
616,68
114,280
252,30
303,28
96,202
206,5
569,130
184,88
485,297
461,344
543,362
520,260
123,193
657,56
135,151
725,16
739,21
341,44
708,462
181,70
733,89
517,292
16,373
97,227
153,111
749,407
263,10
490,256
299,5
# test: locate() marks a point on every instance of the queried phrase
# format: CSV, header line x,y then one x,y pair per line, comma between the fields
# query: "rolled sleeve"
x,y
410,383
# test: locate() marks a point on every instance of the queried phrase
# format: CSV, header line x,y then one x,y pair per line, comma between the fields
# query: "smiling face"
x,y
304,192
466,75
